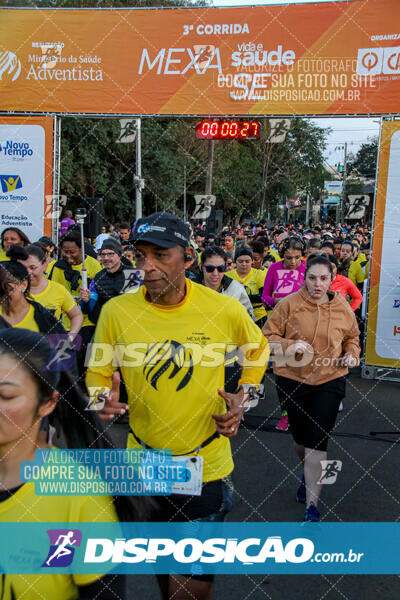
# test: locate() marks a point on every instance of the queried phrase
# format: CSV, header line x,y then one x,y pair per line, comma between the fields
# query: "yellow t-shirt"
x,y
56,298
356,273
49,268
172,362
3,255
25,505
361,257
28,322
252,282
92,267
275,254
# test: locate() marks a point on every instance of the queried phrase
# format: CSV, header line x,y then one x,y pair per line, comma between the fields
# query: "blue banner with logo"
x,y
200,548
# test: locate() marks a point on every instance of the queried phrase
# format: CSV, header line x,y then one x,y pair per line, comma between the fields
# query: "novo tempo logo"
x,y
9,183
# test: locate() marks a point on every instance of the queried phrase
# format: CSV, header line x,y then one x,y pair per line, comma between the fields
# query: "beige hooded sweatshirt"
x,y
331,330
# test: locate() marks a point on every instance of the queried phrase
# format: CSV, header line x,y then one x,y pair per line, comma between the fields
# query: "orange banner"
x,y
383,325
310,59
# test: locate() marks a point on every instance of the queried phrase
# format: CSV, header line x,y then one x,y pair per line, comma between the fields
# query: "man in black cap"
x,y
164,335
117,277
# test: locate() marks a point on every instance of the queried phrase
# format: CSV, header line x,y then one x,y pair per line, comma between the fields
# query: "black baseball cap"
x,y
162,229
111,244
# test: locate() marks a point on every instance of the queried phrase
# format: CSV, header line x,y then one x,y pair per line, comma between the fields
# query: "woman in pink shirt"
x,y
284,278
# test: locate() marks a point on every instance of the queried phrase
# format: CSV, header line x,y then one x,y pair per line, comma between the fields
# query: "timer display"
x,y
228,130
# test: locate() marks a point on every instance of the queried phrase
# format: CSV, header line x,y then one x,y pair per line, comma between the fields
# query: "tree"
x,y
364,162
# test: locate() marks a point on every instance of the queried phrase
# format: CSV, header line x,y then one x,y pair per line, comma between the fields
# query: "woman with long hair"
x,y
10,236
30,392
284,278
52,295
213,275
251,279
318,338
17,308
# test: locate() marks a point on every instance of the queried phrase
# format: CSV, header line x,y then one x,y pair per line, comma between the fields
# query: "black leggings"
x,y
312,409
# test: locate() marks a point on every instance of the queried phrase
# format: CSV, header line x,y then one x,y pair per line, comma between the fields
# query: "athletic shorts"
x,y
312,409
212,506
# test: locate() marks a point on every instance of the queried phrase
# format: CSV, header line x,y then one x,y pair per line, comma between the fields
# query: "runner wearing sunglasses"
x,y
213,275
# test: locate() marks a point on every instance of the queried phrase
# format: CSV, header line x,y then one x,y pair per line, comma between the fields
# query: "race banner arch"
x,y
336,58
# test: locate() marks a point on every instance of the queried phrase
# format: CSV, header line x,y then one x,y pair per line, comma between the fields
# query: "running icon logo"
x,y
330,471
62,547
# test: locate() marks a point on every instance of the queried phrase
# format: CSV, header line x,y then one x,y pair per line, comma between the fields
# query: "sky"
x,y
354,131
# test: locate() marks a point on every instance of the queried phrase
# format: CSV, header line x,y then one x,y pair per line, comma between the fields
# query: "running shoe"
x,y
283,424
311,513
301,492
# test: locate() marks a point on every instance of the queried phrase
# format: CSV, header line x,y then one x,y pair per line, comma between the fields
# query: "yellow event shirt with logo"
x,y
28,322
25,505
172,362
56,298
92,267
252,282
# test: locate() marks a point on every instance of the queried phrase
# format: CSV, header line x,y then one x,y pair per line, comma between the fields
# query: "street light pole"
x,y
138,176
184,193
210,164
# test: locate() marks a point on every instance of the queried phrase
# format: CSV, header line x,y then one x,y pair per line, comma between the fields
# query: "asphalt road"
x,y
266,477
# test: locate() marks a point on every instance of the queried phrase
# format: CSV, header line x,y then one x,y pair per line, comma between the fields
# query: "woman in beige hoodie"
x,y
314,338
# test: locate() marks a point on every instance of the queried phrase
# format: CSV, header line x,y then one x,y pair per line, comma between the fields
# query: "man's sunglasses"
x,y
211,268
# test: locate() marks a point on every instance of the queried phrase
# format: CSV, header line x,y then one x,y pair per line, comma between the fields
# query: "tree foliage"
x,y
364,162
249,177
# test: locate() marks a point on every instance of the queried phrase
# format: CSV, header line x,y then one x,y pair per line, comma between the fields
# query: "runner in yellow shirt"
x,y
355,272
54,296
252,280
170,339
28,394
67,272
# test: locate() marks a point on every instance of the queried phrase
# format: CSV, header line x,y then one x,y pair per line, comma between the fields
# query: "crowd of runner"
x,y
282,298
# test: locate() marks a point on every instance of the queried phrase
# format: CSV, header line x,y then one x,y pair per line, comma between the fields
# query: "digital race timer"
x,y
228,130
